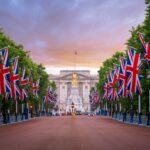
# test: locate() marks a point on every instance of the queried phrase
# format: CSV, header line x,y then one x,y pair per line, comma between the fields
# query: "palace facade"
x,y
73,86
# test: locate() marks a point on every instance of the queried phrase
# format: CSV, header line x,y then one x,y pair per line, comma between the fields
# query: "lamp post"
x,y
16,119
139,110
148,116
26,111
22,110
31,110
72,106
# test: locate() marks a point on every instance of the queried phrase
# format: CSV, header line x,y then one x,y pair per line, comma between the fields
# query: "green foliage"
x,y
53,85
90,97
107,66
134,42
37,71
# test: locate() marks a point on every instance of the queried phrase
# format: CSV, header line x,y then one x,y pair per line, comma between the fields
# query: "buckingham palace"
x,y
73,86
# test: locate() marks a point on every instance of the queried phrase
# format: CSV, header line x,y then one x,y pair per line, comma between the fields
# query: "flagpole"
x,y
131,113
106,108
139,109
148,119
8,115
116,109
149,100
120,109
39,109
4,113
16,110
16,106
44,110
22,110
111,107
116,106
27,110
42,105
139,104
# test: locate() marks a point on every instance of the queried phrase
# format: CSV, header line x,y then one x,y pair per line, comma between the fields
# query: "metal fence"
x,y
127,118
11,118
130,119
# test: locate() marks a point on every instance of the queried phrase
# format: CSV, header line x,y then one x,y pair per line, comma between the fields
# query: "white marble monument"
x,y
76,100
74,86
74,97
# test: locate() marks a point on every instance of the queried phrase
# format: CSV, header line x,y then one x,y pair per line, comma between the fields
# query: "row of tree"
x,y
133,41
36,71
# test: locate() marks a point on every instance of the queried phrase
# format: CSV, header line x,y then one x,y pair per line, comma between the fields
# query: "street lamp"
x,y
72,106
31,110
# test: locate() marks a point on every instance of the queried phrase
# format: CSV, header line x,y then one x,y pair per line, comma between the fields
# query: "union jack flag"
x,y
123,80
16,93
95,97
91,95
5,85
106,88
146,48
113,95
29,79
45,99
55,95
23,78
24,94
132,70
51,96
7,95
148,76
112,80
35,88
117,70
129,94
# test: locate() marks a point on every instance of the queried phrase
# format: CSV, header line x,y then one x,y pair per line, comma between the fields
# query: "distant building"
x,y
74,87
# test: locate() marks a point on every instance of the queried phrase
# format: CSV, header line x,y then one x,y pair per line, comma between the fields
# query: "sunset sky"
x,y
54,29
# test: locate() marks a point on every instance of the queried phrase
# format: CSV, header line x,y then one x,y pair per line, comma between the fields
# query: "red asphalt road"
x,y
79,133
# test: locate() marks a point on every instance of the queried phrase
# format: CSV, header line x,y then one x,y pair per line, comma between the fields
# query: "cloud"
x,y
52,29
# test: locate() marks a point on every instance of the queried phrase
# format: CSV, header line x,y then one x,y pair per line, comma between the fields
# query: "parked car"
x,y
57,114
91,114
86,113
78,113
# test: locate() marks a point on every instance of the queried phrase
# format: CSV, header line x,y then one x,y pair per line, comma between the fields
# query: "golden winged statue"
x,y
74,82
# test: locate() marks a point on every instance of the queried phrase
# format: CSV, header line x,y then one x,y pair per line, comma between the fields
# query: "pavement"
x,y
74,133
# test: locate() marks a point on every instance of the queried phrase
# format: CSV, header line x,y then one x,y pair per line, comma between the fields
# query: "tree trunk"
x,y
4,110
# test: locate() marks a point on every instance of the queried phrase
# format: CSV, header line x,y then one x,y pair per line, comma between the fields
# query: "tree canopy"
x,y
134,42
36,71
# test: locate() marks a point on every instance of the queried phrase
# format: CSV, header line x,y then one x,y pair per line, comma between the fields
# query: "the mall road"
x,y
74,133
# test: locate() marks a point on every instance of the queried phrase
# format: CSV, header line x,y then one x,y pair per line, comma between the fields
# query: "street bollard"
x,y
26,113
8,118
16,117
148,119
140,118
105,112
22,116
4,118
131,117
116,114
124,116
